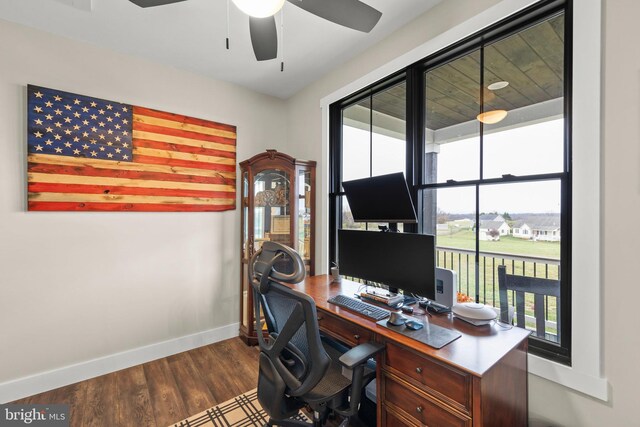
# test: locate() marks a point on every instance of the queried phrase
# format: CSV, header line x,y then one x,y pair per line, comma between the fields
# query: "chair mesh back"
x,y
281,307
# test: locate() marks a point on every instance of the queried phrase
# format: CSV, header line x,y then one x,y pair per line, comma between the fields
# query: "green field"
x,y
466,239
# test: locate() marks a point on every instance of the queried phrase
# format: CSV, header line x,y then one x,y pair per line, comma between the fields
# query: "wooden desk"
x,y
480,379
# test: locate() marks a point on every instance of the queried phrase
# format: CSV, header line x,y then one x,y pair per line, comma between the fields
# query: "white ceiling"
x,y
191,35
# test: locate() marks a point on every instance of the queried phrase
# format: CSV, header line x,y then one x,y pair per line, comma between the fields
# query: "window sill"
x,y
567,376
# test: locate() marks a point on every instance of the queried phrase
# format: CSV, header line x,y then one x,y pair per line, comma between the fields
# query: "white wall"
x,y
549,403
76,286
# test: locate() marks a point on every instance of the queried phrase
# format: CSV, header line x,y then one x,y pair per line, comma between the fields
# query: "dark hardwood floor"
x,y
161,392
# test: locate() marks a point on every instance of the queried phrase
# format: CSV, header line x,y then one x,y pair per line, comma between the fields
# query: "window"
x,y
373,140
482,132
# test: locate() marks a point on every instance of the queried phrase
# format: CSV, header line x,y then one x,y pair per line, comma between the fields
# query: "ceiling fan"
x,y
262,25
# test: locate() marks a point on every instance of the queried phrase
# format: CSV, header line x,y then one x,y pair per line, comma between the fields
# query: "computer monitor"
x,y
404,261
383,198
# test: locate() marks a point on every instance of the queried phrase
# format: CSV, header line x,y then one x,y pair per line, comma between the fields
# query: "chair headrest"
x,y
278,262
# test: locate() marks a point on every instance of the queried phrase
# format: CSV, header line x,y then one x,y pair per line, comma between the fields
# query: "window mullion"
x,y
415,134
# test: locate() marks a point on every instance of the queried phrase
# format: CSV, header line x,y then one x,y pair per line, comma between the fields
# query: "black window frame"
x,y
414,76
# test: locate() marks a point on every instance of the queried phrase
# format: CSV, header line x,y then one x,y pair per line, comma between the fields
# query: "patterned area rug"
x,y
241,411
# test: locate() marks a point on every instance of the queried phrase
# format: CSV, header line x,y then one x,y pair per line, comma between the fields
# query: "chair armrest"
x,y
360,354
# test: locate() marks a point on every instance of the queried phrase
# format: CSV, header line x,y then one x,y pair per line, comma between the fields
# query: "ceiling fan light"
x,y
492,117
259,8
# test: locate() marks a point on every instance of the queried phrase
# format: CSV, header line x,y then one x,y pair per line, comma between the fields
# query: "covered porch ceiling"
x,y
532,63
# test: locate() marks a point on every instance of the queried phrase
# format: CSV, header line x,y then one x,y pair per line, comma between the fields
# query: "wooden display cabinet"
x,y
278,204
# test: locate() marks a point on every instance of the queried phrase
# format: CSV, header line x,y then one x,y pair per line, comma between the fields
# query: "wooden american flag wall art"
x,y
90,154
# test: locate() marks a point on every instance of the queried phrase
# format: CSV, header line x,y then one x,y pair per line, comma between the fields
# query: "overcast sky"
x,y
525,150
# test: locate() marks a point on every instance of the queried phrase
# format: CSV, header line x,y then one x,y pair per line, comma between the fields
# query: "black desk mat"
x,y
432,335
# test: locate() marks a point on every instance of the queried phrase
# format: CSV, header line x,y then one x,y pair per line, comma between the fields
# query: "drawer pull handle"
x,y
419,409
419,370
319,318
356,336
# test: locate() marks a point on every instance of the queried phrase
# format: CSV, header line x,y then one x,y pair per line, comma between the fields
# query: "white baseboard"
x,y
38,383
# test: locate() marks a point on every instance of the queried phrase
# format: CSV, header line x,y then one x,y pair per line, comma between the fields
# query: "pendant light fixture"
x,y
498,85
259,8
492,117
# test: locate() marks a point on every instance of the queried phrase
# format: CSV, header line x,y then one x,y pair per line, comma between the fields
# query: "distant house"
x,y
521,230
548,232
501,228
539,227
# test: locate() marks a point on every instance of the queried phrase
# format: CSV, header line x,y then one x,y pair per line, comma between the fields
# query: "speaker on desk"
x,y
445,286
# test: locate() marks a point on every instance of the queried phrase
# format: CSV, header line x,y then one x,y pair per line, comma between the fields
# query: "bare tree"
x,y
443,217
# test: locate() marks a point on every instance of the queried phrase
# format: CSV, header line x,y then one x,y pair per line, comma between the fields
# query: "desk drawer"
x,y
343,330
392,420
447,384
419,407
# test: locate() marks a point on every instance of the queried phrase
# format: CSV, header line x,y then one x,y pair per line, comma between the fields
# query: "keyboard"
x,y
366,309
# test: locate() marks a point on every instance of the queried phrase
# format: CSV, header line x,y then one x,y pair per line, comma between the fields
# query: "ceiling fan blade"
x,y
152,3
264,37
348,13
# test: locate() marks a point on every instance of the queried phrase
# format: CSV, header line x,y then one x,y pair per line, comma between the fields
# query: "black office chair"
x,y
534,285
298,367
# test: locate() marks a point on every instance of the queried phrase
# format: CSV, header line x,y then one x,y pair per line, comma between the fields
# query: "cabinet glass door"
x,y
272,210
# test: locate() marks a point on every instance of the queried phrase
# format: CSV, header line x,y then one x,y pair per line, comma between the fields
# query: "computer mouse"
x,y
414,325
